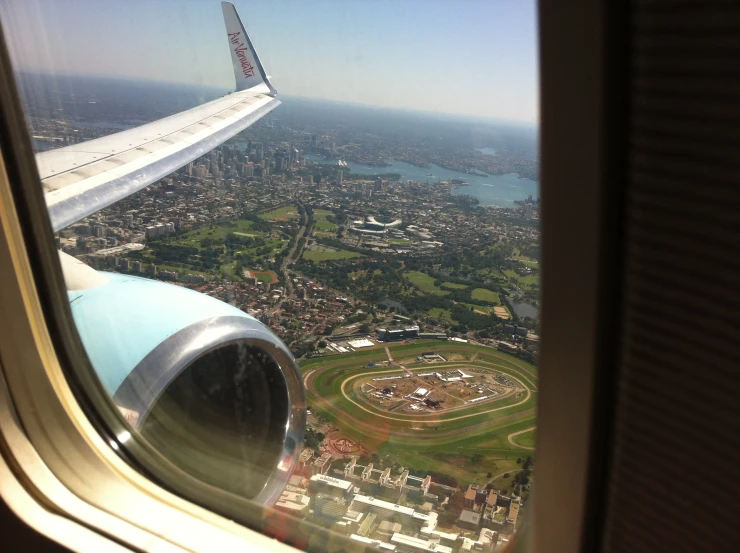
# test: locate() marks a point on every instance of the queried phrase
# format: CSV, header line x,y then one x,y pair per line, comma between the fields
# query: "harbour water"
x,y
500,190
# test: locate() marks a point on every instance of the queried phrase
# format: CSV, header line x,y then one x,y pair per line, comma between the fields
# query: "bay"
x,y
498,190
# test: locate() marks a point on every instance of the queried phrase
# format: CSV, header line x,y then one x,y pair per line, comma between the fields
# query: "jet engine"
x,y
212,388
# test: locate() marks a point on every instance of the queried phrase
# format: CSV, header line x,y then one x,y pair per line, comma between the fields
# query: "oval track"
x,y
525,380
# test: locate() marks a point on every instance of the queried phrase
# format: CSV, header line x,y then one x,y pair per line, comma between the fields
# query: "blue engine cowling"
x,y
212,388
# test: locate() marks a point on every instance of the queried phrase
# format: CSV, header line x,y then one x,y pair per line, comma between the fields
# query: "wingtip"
x,y
248,71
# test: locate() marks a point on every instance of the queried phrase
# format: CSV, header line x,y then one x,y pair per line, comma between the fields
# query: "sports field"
x,y
436,440
216,233
321,221
425,283
263,276
325,253
527,281
286,212
485,295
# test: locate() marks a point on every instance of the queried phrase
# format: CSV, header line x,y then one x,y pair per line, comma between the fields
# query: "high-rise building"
x,y
340,174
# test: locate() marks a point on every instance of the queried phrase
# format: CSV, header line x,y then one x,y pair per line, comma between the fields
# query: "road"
x,y
512,471
291,258
512,442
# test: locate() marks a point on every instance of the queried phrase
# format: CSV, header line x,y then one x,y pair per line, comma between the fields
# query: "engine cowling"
x,y
212,388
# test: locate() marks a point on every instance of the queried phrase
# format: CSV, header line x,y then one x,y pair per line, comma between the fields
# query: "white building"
x,y
409,544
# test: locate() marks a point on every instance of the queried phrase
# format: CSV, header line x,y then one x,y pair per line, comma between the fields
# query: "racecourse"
x,y
442,441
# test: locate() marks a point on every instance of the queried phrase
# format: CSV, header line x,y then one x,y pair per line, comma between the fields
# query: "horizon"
x,y
472,59
459,117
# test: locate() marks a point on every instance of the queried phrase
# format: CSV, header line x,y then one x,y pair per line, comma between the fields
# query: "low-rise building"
x,y
470,520
321,483
295,504
513,512
329,507
322,464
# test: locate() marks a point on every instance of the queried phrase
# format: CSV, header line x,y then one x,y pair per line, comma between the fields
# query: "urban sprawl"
x,y
337,263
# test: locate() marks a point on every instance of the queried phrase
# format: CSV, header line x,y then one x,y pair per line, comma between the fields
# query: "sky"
x,y
470,57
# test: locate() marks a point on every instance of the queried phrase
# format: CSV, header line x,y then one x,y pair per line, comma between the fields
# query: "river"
x,y
500,190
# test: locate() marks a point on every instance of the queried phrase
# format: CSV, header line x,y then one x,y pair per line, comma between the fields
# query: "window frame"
x,y
584,82
62,451
582,131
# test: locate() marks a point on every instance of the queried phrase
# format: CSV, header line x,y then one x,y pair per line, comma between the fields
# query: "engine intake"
x,y
212,388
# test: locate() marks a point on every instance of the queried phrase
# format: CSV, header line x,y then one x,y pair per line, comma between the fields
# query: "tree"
x,y
310,439
477,458
322,344
456,504
521,479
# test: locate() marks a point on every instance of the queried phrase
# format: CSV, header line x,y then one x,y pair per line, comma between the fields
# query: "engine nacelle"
x,y
212,388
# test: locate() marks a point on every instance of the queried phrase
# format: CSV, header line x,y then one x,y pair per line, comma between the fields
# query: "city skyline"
x,y
487,52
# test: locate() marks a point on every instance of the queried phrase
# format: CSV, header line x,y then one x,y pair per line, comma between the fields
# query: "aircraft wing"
x,y
81,179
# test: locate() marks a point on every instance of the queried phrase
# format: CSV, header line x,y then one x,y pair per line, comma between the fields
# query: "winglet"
x,y
248,70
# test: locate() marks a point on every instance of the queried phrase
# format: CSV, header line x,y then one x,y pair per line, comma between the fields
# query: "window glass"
x,y
335,311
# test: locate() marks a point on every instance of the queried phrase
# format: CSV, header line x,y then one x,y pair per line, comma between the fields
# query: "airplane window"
x,y
308,277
